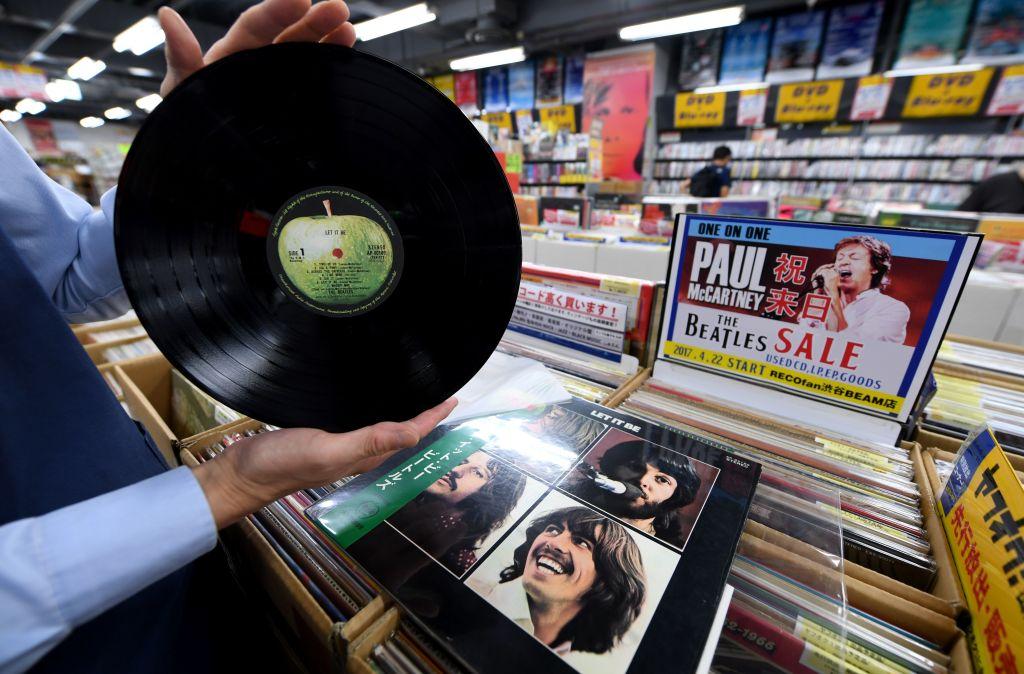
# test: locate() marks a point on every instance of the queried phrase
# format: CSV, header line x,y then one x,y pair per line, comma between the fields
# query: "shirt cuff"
x,y
101,551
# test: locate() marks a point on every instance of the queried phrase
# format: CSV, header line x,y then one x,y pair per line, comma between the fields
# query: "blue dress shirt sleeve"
x,y
64,568
67,244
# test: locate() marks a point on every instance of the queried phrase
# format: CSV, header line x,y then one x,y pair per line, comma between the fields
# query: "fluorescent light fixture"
x,y
9,116
117,113
141,72
739,86
394,22
148,103
59,90
934,70
140,37
28,106
489,59
91,122
86,68
688,23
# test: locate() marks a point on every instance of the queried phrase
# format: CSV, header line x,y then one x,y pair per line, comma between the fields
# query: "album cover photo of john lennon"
x,y
579,582
544,440
653,489
464,512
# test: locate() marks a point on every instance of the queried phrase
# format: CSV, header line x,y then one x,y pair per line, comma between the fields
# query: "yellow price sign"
x,y
559,117
808,101
502,120
445,84
947,95
696,110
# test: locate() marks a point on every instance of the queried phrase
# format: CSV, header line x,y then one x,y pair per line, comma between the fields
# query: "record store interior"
x,y
505,336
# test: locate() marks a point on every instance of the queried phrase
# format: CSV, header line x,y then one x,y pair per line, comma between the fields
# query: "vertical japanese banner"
x,y
982,508
1008,98
496,89
520,85
466,94
617,89
445,84
871,98
850,40
998,34
846,316
574,78
795,46
549,81
745,52
750,111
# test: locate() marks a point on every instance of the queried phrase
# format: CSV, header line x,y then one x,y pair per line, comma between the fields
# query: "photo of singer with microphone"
x,y
854,284
655,490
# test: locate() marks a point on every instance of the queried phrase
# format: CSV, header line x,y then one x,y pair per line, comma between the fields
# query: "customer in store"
x,y
715,179
576,583
663,483
858,309
97,535
1001,193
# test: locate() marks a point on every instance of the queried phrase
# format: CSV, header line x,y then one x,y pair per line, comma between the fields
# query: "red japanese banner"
x,y
466,94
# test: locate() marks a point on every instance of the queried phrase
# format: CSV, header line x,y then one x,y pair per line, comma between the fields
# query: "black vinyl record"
x,y
317,237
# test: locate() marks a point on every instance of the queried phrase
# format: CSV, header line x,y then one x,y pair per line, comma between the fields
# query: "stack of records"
x,y
339,585
596,371
960,405
883,528
579,387
981,357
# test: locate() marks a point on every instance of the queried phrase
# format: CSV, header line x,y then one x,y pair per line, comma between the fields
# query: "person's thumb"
x,y
184,55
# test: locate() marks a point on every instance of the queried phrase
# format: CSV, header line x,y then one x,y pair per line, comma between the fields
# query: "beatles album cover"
x,y
553,538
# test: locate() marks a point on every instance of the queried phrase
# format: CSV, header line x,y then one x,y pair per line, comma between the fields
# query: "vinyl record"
x,y
317,237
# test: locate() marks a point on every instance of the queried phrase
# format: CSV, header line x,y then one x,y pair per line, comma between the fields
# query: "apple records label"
x,y
335,251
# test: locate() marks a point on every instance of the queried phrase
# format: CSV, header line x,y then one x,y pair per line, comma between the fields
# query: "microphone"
x,y
625,489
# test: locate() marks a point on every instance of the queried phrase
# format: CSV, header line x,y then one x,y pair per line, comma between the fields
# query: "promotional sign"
x,y
574,78
617,88
698,63
871,98
998,35
795,46
559,117
520,86
982,508
955,94
845,315
808,101
1008,98
502,120
579,322
524,120
699,110
549,81
466,94
745,52
750,111
21,81
445,84
41,132
850,40
496,89
932,32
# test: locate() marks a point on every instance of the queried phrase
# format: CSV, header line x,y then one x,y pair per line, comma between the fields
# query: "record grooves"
x,y
317,237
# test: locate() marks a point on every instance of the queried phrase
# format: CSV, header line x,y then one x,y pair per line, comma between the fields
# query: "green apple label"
x,y
335,251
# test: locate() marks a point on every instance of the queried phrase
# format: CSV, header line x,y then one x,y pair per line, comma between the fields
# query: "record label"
x,y
335,251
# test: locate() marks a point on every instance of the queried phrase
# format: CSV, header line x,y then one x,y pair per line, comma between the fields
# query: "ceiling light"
x,y
394,22
117,113
740,86
934,70
489,59
688,23
86,68
141,72
59,90
140,37
9,116
148,103
28,106
91,122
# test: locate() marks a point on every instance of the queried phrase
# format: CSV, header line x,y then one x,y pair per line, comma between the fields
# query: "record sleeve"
x,y
555,538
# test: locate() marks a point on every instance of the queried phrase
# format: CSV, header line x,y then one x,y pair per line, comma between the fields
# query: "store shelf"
x,y
551,184
868,157
554,161
840,180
